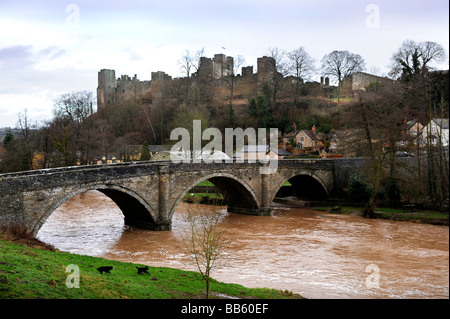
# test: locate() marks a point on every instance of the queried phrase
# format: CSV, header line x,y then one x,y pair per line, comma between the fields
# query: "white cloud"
x,y
42,55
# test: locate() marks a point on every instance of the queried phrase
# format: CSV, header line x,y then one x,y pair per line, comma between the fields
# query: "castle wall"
x,y
128,88
358,82
213,80
157,82
111,90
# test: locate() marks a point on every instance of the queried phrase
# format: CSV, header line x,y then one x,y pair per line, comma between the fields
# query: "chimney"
x,y
314,129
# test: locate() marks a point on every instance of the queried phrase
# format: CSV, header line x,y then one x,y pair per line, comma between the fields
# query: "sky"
x,y
49,48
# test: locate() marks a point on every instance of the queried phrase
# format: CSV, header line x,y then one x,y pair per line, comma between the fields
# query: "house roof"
x,y
411,123
291,134
159,148
281,152
338,133
443,123
309,133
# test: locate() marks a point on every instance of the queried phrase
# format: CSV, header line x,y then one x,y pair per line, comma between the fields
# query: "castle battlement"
x,y
111,90
215,77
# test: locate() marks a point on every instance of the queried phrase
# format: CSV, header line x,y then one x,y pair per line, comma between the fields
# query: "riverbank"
x,y
205,193
405,214
30,269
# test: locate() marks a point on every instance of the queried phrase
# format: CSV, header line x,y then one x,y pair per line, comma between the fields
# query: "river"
x,y
312,253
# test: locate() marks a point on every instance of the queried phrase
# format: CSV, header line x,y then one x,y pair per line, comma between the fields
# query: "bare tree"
x,y
199,54
70,111
281,60
206,241
189,63
415,58
300,63
25,130
276,71
339,64
377,117
186,63
231,79
75,105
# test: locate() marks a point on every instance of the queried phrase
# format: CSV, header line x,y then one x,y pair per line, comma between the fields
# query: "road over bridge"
x,y
148,192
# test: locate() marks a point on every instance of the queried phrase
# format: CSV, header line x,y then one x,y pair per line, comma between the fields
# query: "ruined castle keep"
x,y
111,90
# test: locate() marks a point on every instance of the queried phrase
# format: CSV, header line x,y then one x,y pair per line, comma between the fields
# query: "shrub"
x,y
358,190
392,190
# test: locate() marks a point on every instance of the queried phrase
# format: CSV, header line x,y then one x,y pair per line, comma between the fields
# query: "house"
x,y
411,133
290,138
413,128
255,152
339,141
436,132
156,149
303,139
280,152
109,159
324,154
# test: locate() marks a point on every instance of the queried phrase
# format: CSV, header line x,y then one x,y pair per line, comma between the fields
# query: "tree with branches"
x,y
339,64
206,242
414,58
301,66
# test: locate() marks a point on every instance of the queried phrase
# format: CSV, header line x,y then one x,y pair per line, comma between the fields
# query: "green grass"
x,y
414,216
201,195
418,216
205,183
27,273
343,99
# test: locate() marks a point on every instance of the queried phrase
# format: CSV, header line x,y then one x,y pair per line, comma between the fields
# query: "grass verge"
x,y
30,269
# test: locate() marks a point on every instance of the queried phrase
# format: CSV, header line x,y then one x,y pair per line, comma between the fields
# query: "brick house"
x,y
303,139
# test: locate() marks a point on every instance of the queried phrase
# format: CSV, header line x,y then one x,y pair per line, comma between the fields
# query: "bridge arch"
x,y
306,185
240,197
136,211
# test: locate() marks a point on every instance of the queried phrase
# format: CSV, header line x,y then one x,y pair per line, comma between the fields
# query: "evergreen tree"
x,y
8,138
259,109
145,153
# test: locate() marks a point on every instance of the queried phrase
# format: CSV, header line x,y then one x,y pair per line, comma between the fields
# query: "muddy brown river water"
x,y
314,254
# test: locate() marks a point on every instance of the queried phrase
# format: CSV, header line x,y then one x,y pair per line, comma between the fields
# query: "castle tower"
x,y
106,88
222,65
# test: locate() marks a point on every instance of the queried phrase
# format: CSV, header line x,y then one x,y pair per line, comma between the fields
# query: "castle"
x,y
219,76
111,90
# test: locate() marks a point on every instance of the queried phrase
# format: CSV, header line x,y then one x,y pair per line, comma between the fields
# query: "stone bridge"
x,y
149,192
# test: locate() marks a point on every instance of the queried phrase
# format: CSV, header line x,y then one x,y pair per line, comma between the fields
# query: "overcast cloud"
x,y
48,48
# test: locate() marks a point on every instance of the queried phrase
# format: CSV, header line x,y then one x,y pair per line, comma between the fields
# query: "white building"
x,y
436,132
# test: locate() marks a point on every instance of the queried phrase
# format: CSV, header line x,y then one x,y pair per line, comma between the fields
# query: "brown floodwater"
x,y
314,254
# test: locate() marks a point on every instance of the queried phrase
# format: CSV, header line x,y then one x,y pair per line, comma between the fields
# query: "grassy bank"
x,y
30,269
417,216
